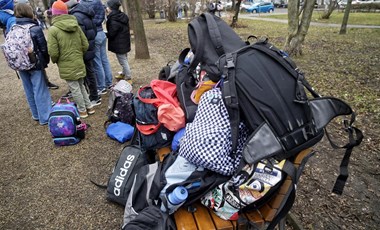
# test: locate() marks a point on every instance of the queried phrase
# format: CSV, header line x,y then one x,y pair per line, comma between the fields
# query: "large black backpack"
x,y
263,87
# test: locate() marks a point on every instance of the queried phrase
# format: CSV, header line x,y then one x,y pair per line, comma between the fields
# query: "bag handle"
x,y
199,49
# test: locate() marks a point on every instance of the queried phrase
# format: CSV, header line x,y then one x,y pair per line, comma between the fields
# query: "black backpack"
x,y
156,135
263,87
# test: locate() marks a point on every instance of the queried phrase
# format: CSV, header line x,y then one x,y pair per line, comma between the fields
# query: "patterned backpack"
x,y
18,48
65,125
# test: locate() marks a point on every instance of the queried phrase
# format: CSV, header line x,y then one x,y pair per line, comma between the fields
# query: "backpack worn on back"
x,y
18,48
65,125
263,87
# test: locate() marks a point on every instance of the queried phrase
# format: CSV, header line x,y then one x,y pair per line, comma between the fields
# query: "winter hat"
x,y
113,4
70,3
59,8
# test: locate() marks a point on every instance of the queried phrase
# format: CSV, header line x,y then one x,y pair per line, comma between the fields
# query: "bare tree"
x,y
343,28
172,10
150,6
298,25
236,14
333,4
141,44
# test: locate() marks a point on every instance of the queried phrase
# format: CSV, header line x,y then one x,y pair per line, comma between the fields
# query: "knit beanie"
x,y
59,8
113,4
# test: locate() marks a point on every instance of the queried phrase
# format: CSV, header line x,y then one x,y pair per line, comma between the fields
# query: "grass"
x,y
337,18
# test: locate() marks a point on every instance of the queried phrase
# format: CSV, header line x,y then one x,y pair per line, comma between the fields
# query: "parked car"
x,y
245,5
280,4
262,7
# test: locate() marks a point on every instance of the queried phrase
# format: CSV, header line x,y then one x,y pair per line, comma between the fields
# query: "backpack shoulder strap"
x,y
214,32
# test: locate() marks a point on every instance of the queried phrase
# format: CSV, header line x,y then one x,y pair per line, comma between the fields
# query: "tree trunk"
x,y
151,6
129,7
343,28
332,6
141,44
236,15
172,12
298,28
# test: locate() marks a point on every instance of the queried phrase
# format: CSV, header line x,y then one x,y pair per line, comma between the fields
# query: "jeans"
x,y
80,96
101,63
37,94
90,80
123,61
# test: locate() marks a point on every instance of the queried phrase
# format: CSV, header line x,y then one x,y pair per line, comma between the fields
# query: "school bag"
x,y
18,48
65,125
176,171
158,114
263,87
229,198
120,104
119,185
207,140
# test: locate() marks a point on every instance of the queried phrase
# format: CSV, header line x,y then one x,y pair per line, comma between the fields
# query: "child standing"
x,y
119,37
33,80
67,45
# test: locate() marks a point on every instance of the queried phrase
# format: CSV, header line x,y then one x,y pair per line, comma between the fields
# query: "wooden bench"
x,y
203,218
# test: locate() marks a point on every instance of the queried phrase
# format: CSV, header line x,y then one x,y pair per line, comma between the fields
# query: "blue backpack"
x,y
65,125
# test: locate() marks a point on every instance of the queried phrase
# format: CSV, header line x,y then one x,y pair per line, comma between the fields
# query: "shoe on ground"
x,y
91,111
109,87
68,95
96,102
52,86
83,114
35,119
102,91
120,76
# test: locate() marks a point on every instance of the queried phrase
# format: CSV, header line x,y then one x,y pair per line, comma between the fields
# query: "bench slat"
x,y
184,220
220,223
203,218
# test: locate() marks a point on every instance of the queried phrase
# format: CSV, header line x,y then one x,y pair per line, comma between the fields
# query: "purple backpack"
x,y
65,125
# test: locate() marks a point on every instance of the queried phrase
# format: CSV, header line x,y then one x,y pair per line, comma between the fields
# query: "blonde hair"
x,y
23,10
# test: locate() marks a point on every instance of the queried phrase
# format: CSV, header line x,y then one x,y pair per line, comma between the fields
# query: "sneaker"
x,y
109,87
52,86
102,91
35,119
83,114
91,110
67,95
120,76
96,102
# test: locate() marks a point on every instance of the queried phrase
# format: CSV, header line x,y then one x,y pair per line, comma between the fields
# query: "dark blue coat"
x,y
99,10
119,37
39,42
85,16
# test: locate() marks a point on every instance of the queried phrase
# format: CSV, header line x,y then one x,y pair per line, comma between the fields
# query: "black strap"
x,y
355,137
214,33
231,99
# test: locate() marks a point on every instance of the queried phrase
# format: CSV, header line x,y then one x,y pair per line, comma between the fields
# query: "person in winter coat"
x,y
119,37
101,63
33,80
67,45
7,19
84,16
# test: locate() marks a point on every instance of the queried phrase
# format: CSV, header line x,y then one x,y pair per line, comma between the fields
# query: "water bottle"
x,y
178,195
176,198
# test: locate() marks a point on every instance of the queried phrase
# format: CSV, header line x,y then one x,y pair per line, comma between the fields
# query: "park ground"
x,y
47,187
